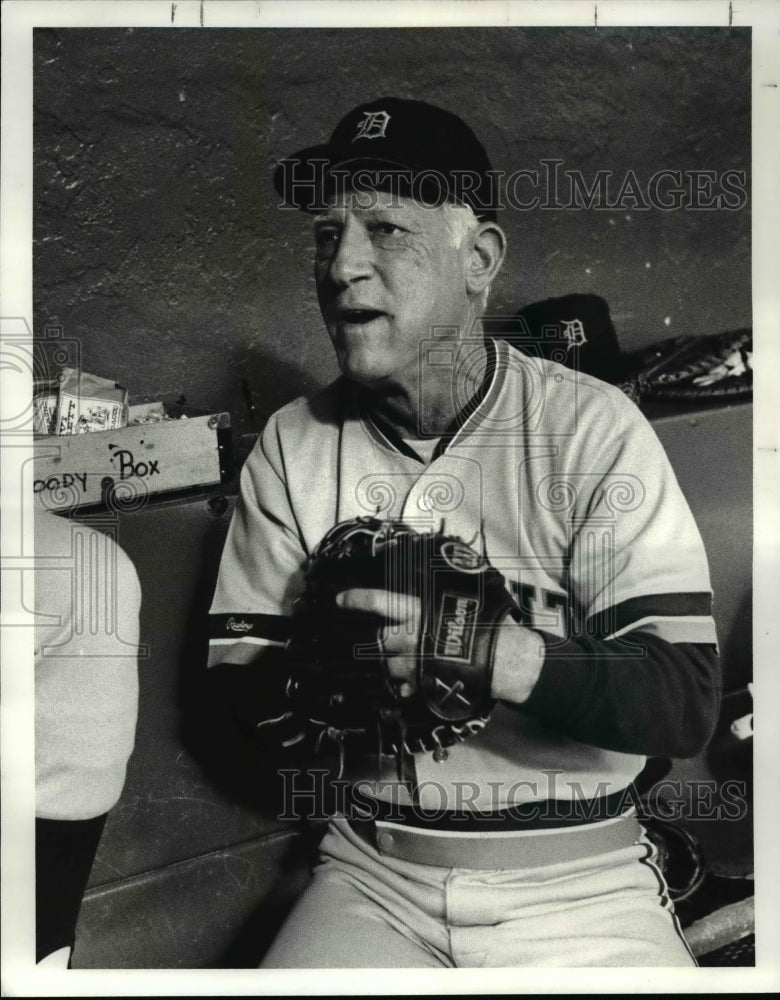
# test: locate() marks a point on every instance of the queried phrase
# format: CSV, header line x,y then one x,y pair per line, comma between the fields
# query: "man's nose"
x,y
354,256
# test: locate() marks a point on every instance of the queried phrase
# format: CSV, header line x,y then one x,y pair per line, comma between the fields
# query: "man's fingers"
x,y
363,599
387,604
399,639
402,672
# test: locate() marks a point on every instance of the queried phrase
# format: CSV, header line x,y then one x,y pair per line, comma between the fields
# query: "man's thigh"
x,y
611,914
336,925
636,936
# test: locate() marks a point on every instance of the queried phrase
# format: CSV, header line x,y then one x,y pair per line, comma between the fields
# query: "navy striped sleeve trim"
x,y
622,616
239,625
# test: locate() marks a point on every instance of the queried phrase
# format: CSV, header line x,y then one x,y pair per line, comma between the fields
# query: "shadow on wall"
x,y
258,932
270,382
737,648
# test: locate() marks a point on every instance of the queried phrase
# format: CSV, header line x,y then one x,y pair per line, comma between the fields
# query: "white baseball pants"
x,y
366,910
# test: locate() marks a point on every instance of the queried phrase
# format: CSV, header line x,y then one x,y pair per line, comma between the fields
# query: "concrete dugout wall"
x,y
160,249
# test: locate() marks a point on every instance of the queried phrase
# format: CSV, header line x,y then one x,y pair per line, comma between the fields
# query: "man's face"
x,y
387,275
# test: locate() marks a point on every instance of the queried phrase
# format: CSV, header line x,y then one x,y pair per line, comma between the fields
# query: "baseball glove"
x,y
339,672
695,368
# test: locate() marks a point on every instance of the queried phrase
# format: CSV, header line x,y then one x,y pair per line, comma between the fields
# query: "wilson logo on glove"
x,y
455,634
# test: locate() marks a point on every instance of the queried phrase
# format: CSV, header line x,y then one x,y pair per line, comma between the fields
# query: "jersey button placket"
x,y
416,505
385,840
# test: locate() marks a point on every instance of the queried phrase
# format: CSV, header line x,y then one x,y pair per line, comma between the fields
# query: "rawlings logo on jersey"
x,y
232,625
455,631
373,125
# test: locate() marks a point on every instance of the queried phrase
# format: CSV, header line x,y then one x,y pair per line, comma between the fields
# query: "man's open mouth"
x,y
358,315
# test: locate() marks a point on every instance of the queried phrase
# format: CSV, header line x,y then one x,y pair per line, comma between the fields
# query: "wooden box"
x,y
122,468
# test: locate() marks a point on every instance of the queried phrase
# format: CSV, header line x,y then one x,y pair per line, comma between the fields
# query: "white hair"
x,y
460,221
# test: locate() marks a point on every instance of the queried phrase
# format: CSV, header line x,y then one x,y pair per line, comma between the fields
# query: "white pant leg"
x,y
359,912
608,911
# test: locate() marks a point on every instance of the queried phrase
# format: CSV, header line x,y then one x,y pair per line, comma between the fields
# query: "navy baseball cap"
x,y
409,147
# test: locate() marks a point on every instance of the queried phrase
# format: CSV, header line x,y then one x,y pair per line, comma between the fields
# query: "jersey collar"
x,y
388,435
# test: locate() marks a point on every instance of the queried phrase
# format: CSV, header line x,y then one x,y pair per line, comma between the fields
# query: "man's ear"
x,y
487,249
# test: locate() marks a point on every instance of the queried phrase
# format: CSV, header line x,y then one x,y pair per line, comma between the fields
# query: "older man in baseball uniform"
x,y
504,834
